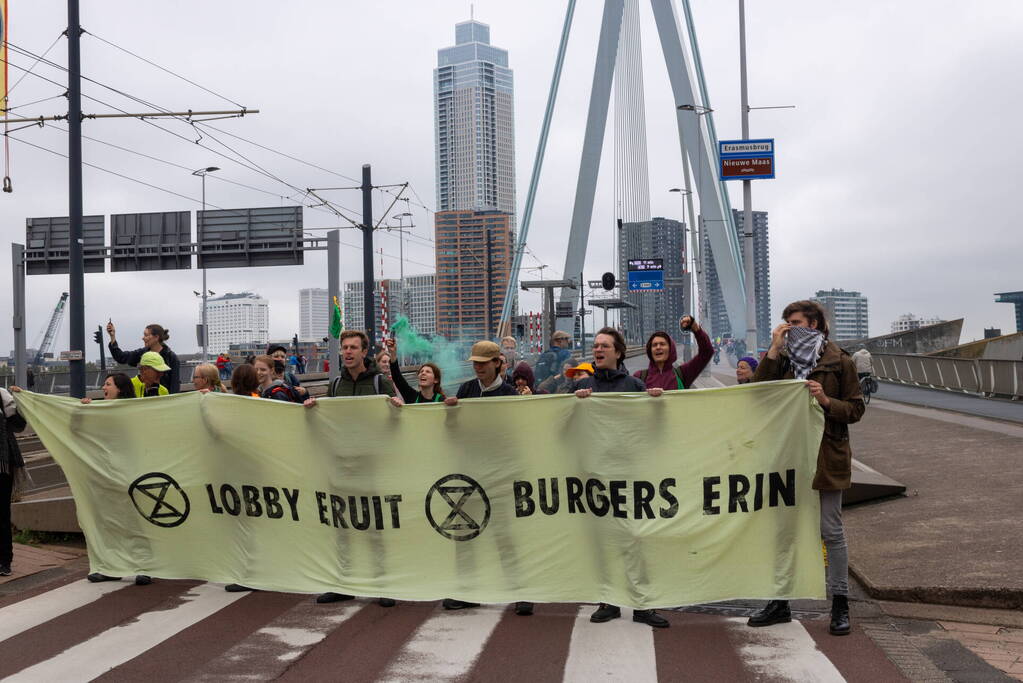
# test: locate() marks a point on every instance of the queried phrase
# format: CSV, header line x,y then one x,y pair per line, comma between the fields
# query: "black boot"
x,y
324,598
524,609
96,577
605,612
451,603
774,612
840,625
650,618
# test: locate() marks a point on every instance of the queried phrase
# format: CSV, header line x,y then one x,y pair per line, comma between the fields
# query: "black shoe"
x,y
386,602
451,603
605,613
237,588
524,609
96,577
650,618
840,625
324,598
143,580
5,570
774,612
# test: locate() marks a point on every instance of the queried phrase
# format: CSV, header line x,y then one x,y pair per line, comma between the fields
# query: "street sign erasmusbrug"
x,y
746,159
646,274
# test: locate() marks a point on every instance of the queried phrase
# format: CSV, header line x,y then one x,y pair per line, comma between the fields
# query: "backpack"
x,y
678,377
279,391
546,365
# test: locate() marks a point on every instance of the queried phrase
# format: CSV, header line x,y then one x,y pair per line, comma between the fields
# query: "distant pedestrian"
x,y
610,375
800,349
864,363
551,360
662,354
510,351
151,371
154,339
744,370
206,378
302,360
556,384
11,469
428,378
223,364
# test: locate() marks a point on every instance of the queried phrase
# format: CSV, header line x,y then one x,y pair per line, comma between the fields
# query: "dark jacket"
x,y
551,361
471,389
10,453
836,373
525,372
171,380
408,394
609,380
687,372
370,383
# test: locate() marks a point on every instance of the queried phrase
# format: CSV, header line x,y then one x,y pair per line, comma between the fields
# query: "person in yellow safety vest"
x,y
147,382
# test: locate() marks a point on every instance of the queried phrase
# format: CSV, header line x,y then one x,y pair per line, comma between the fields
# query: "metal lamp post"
x,y
202,172
690,298
401,256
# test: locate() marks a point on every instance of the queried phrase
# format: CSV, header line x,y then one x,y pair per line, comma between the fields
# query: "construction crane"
x,y
51,331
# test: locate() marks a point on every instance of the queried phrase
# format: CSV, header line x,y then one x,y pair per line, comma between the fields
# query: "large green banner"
x,y
693,496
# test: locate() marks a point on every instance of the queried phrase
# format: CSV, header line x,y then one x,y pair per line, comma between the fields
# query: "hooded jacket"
x,y
667,378
605,380
525,372
837,375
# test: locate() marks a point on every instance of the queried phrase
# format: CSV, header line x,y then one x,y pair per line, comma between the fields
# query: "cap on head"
x,y
484,351
582,367
151,359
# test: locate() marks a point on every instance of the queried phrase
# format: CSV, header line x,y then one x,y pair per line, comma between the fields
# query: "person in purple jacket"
x,y
660,349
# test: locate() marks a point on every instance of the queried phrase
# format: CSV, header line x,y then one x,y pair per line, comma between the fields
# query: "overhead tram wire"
x,y
38,59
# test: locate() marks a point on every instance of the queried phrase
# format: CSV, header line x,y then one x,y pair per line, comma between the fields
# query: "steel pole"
x,y
368,299
18,320
205,330
76,261
333,290
747,199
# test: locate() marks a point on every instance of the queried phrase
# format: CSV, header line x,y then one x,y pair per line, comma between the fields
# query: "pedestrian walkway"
x,y
193,631
30,559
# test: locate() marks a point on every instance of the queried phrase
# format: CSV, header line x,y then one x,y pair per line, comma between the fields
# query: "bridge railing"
x,y
1002,378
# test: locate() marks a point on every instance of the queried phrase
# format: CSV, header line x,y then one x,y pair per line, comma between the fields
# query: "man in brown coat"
x,y
800,349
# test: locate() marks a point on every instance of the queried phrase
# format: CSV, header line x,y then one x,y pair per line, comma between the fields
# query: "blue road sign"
x,y
746,159
646,280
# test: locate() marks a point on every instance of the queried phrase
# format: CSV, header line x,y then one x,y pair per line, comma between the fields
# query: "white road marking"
x,y
617,650
117,645
21,616
783,652
446,646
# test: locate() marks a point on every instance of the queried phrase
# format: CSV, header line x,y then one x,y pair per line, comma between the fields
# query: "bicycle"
x,y
868,386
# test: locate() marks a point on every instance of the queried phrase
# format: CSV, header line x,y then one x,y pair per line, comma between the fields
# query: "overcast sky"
x,y
894,171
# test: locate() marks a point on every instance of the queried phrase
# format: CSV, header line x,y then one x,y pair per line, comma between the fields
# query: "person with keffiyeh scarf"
x,y
800,349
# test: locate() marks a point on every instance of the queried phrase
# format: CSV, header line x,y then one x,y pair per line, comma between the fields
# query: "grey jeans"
x,y
833,534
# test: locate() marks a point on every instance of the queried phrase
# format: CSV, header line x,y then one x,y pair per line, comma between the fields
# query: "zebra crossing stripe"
x,y
617,650
21,616
783,652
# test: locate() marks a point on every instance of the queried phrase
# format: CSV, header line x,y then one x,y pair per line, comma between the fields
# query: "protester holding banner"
x,y
610,375
800,349
11,467
428,376
662,353
523,381
244,381
154,338
151,371
116,385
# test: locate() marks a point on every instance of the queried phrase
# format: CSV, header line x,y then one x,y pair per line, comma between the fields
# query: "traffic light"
x,y
98,336
608,281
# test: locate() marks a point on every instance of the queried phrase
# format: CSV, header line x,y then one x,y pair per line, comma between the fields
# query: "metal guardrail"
x,y
1001,378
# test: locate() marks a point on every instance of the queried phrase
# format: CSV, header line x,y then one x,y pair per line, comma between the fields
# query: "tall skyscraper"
x,y
475,156
237,319
474,118
762,280
313,313
847,313
661,238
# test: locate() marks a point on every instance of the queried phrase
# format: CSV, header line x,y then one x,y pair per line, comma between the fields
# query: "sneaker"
x,y
650,618
324,598
774,612
5,570
143,580
840,625
96,577
451,603
237,588
386,602
605,613
524,609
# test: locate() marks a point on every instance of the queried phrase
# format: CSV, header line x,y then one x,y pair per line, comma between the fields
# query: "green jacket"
x,y
370,383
